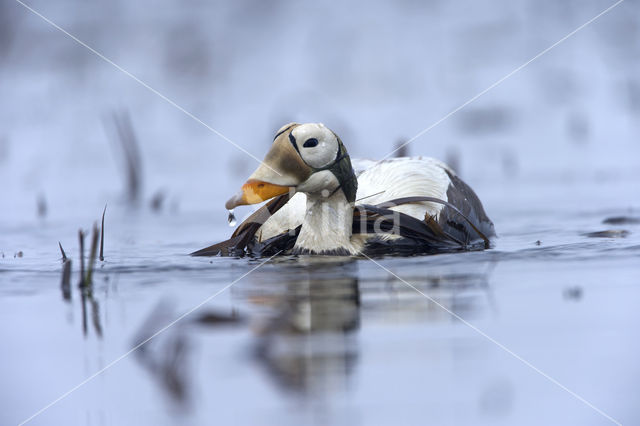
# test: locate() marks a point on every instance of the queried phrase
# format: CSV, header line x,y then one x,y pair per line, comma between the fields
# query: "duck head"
x,y
307,158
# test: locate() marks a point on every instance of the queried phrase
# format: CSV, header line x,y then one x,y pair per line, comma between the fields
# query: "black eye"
x,y
310,143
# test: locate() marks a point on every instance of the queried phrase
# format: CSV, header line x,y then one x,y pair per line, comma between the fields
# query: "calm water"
x,y
552,151
317,341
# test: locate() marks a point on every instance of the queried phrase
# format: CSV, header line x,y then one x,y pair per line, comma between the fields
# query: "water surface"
x,y
340,341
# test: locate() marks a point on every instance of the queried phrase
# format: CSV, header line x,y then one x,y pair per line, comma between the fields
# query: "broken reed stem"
x,y
81,239
102,235
92,254
64,255
125,138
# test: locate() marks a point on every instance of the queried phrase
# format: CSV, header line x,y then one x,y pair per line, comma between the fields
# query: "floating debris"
x,y
621,220
573,293
18,254
610,233
212,318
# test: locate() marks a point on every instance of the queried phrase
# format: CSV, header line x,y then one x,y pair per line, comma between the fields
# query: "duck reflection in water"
x,y
308,337
307,342
305,314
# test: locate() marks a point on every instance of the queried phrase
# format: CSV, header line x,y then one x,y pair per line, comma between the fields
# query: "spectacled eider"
x,y
323,205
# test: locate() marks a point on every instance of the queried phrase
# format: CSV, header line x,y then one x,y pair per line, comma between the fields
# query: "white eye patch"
x,y
318,146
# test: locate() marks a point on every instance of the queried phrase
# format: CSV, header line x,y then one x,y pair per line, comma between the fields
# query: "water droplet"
x,y
232,218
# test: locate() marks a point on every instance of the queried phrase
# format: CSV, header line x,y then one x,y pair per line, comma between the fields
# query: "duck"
x,y
320,202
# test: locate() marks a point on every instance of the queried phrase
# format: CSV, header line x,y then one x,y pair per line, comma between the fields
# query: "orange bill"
x,y
256,191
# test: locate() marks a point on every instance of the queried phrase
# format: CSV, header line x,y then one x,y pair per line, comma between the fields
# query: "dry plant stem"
x,y
64,255
92,254
102,235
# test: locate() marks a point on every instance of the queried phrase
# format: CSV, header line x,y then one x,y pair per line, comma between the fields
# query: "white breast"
x,y
377,183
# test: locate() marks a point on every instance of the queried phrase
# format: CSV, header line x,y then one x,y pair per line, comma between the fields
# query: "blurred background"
x,y
553,152
376,73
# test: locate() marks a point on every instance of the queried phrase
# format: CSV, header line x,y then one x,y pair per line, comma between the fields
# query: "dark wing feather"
x,y
244,234
462,218
370,219
461,196
280,243
451,222
461,223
